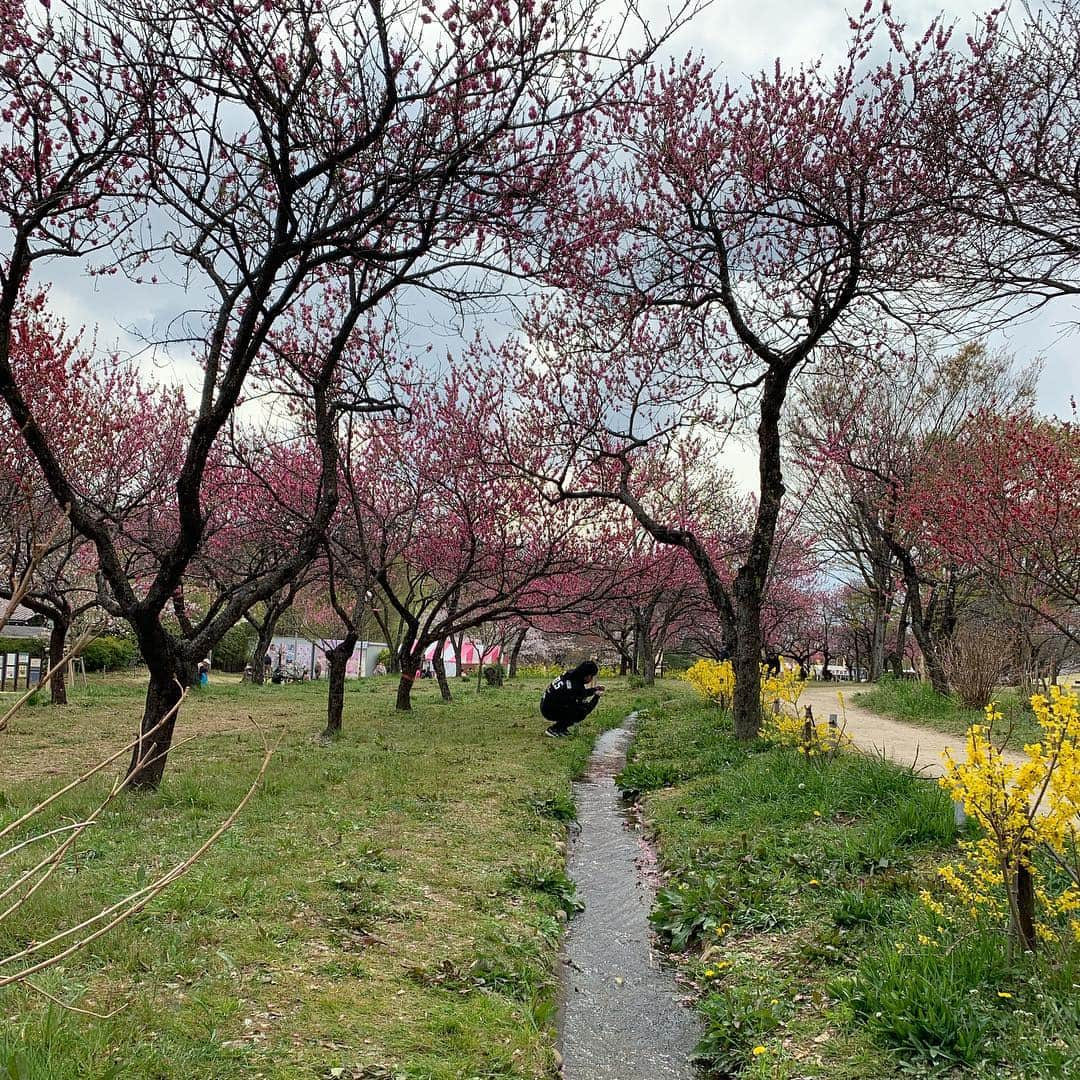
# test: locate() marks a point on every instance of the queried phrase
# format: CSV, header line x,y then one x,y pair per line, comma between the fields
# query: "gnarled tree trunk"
x,y
410,665
170,676
515,652
337,660
439,664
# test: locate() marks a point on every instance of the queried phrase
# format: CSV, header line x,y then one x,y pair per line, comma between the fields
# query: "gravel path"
x,y
906,744
620,1017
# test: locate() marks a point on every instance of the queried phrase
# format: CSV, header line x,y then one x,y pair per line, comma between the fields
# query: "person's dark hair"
x,y
583,672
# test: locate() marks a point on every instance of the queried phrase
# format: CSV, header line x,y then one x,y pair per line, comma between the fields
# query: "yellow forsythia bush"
x,y
715,680
1023,809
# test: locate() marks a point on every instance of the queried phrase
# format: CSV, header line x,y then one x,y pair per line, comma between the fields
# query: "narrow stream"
x,y
619,1017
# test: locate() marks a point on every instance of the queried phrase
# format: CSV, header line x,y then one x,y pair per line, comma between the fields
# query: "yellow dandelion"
x,y
758,1051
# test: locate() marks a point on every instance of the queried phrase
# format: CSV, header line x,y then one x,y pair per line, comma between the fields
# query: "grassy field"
x,y
387,906
917,702
793,904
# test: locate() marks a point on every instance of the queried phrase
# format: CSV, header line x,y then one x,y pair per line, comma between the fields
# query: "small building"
x,y
23,623
299,655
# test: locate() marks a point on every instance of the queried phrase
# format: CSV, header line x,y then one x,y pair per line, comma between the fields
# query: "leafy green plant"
x,y
736,1020
109,653
696,905
861,906
640,777
559,806
934,1002
551,882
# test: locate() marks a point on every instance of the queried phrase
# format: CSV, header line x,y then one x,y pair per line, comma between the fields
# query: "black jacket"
x,y
565,694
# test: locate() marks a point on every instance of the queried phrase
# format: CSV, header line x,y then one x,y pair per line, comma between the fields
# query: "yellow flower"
x,y
1004,994
758,1051
709,973
813,881
817,813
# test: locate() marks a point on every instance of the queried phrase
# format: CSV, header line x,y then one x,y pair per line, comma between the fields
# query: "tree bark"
x,y
410,665
439,664
749,585
57,645
263,640
643,648
337,660
169,677
746,704
515,652
875,662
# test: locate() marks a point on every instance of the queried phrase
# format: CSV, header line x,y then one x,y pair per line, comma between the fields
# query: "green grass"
x,y
917,702
792,900
387,906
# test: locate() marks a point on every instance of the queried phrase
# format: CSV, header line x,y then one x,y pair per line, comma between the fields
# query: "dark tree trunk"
x,y
643,648
515,652
410,665
749,584
169,677
875,661
747,663
263,641
439,664
337,660
624,655
57,646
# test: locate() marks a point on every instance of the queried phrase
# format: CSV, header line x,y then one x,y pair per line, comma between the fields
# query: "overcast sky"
x,y
738,38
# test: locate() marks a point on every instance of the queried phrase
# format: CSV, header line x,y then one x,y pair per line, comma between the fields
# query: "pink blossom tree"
x,y
747,235
305,159
1003,498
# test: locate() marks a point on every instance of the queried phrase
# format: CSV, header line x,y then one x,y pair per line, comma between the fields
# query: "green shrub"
x,y
29,646
233,651
110,653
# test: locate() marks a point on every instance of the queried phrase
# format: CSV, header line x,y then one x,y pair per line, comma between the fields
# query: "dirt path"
x,y
906,744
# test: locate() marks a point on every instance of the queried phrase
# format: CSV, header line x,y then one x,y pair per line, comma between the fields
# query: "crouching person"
x,y
570,698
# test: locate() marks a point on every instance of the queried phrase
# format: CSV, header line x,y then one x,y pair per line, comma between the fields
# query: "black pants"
x,y
565,716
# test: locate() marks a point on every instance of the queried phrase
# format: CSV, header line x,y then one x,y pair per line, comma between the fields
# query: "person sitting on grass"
x,y
570,698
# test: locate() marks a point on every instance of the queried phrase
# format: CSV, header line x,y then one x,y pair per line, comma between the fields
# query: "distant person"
x,y
570,698
380,668
318,669
204,672
268,663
